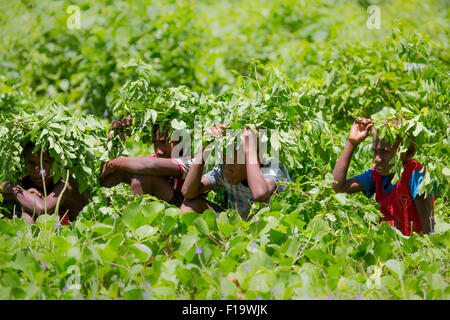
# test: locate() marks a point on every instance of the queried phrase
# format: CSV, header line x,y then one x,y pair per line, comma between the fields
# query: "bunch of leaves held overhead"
x,y
75,142
272,106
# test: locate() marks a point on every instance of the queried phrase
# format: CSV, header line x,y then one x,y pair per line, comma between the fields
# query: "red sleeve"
x,y
410,167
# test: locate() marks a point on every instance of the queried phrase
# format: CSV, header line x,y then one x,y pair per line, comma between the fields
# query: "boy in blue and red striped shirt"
x,y
399,203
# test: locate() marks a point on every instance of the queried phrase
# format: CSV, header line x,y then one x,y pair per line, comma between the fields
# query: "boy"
x,y
244,183
30,194
400,203
157,174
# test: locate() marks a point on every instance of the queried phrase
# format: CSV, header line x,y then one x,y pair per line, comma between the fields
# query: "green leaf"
x,y
110,251
152,210
293,248
316,255
5,293
259,283
22,261
178,124
396,266
418,129
189,217
210,218
130,215
223,224
144,232
438,282
61,244
141,251
102,228
262,259
187,246
341,197
168,224
201,225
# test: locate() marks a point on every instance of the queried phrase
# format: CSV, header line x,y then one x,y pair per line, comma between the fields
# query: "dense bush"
x,y
306,68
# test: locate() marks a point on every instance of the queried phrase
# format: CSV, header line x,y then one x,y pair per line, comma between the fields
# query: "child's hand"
x,y
360,130
249,140
105,170
6,187
216,131
122,124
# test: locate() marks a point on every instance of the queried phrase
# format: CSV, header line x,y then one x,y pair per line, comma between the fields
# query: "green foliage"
x,y
271,107
75,143
140,248
306,68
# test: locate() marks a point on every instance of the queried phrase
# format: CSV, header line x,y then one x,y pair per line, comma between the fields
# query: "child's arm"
x,y
33,203
260,187
195,183
360,130
424,208
146,165
119,125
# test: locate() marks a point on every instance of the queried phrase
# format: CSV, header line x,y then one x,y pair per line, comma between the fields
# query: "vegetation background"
x,y
305,67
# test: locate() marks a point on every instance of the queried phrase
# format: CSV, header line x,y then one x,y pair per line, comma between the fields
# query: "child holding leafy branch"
x,y
157,174
62,196
399,203
244,183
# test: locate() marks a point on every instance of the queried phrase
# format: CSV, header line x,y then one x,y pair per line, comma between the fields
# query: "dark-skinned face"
x,y
384,152
163,149
33,163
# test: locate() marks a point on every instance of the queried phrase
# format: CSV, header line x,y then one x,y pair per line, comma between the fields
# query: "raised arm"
x,y
360,130
118,125
195,183
260,187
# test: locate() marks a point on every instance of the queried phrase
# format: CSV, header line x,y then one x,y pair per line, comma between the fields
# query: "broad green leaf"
x,y
178,125
189,217
201,225
130,215
102,228
145,232
187,246
152,210
396,266
22,261
142,252
111,249
61,244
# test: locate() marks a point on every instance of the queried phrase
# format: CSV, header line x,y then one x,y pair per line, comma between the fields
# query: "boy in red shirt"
x,y
157,174
399,203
